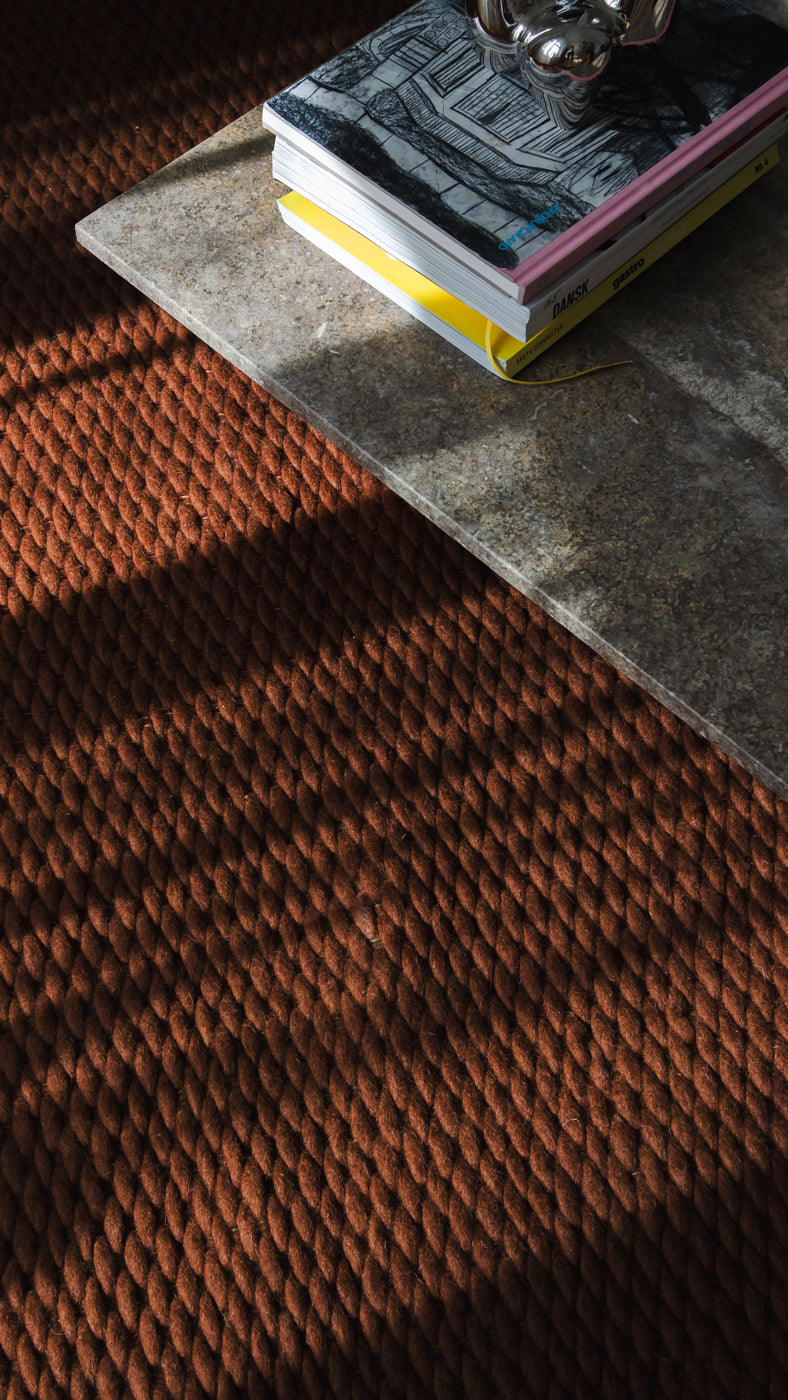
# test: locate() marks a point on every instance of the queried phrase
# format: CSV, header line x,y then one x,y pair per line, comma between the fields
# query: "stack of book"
x,y
447,187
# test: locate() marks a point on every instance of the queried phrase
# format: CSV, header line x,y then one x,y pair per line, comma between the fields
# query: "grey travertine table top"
x,y
645,508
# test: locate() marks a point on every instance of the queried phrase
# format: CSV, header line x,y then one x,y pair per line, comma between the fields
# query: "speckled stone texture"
x,y
645,508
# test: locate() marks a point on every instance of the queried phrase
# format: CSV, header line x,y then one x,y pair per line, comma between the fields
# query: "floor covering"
x,y
392,996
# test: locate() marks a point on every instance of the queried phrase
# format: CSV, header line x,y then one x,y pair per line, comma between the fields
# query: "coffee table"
x,y
645,508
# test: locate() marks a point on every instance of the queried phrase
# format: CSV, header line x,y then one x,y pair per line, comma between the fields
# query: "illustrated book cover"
x,y
411,119
520,319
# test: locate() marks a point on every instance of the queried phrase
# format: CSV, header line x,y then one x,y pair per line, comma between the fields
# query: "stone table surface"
x,y
645,508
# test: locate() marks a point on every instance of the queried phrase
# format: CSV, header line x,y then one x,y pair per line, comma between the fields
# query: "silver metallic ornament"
x,y
562,47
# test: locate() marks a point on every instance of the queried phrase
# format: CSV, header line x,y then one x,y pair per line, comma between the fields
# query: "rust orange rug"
x,y
392,997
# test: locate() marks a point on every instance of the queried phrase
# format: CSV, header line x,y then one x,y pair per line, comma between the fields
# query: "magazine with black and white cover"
x,y
520,319
411,119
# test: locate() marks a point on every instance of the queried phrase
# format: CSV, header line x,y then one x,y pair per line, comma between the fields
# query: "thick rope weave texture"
x,y
392,997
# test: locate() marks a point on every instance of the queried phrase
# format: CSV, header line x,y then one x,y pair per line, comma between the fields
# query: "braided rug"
x,y
392,997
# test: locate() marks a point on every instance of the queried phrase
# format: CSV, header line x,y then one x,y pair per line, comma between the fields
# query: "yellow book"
x,y
460,324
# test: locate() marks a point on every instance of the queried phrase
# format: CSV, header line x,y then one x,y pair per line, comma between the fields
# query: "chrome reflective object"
x,y
562,47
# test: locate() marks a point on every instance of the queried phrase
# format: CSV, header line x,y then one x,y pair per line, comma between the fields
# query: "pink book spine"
x,y
742,120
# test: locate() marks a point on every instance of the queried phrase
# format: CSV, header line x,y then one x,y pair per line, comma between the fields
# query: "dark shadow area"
x,y
124,61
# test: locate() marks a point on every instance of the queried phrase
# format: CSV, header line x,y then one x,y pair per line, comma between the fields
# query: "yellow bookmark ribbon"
x,y
535,383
